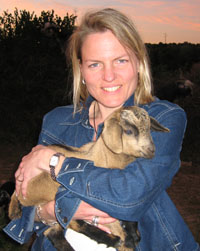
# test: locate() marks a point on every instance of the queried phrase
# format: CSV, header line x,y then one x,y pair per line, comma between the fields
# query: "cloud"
x,y
37,6
151,16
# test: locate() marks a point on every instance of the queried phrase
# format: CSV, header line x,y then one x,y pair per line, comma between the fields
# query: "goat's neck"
x,y
97,152
102,156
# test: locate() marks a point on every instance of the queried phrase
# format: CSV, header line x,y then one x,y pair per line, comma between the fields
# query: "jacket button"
x,y
71,181
65,219
58,210
66,167
78,166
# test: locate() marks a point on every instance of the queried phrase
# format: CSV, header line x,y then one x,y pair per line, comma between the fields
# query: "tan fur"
x,y
125,136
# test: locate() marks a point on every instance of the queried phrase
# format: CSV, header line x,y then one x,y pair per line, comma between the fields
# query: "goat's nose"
x,y
149,151
151,148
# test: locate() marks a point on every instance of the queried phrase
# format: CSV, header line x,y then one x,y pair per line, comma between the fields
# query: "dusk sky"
x,y
173,21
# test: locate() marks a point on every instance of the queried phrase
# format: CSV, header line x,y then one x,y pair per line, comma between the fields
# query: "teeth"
x,y
111,89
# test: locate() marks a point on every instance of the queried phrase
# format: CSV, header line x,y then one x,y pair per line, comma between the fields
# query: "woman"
x,y
111,70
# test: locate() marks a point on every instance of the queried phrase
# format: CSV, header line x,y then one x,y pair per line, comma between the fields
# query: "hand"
x,y
87,212
31,165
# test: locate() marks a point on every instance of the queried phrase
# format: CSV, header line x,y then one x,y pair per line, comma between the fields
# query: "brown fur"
x,y
125,136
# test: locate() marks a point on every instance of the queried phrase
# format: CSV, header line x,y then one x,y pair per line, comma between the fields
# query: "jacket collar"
x,y
90,99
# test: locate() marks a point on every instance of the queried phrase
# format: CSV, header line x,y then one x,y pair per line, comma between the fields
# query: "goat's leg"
x,y
14,210
4,198
95,233
132,234
56,235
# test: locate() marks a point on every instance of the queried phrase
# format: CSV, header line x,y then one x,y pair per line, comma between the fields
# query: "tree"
x,y
34,74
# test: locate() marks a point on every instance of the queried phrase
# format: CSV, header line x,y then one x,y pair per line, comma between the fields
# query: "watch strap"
x,y
52,167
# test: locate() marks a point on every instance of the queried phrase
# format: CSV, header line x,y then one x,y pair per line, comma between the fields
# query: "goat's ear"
x,y
155,126
112,135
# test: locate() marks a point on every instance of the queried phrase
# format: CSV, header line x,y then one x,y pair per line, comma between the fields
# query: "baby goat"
x,y
125,137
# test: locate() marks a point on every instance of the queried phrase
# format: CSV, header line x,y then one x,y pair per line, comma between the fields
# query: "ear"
x,y
80,66
155,126
112,135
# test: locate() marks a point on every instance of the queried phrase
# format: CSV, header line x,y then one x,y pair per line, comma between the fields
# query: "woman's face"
x,y
110,72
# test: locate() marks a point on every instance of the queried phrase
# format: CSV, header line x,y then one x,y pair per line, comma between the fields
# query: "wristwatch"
x,y
53,163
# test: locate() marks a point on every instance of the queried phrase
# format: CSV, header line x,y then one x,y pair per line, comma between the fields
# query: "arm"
x,y
31,165
36,162
131,191
128,193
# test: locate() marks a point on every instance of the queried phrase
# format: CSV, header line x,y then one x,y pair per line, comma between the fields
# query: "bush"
x,y
34,75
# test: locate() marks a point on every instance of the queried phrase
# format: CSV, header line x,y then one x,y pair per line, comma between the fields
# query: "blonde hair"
x,y
124,30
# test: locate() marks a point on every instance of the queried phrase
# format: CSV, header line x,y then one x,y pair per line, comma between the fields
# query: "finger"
x,y
102,223
17,173
103,220
98,212
101,226
20,169
24,188
17,187
19,177
106,220
104,228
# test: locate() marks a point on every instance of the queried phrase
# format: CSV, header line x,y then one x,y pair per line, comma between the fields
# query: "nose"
x,y
149,151
108,73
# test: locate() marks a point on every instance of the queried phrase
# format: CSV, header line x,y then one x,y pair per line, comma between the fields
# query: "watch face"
x,y
54,160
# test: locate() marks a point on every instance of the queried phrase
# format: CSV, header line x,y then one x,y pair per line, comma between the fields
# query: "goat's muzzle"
x,y
148,151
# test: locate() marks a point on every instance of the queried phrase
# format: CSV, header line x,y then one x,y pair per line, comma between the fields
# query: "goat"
x,y
125,137
180,89
6,190
59,34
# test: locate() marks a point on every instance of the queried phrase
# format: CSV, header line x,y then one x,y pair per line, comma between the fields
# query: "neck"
x,y
98,113
102,112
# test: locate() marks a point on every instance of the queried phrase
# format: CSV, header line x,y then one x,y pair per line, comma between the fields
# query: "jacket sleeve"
x,y
127,194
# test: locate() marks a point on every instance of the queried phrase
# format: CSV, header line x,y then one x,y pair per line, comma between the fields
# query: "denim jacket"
x,y
137,193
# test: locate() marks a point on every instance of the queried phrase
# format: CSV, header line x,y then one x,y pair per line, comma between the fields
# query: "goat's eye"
x,y
135,131
130,129
128,132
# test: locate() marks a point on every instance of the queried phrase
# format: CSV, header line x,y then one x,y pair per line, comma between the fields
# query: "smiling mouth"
x,y
111,89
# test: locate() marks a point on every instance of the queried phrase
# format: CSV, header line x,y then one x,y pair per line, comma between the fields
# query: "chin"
x,y
113,104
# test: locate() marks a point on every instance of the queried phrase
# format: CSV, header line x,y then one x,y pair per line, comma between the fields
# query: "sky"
x,y
170,21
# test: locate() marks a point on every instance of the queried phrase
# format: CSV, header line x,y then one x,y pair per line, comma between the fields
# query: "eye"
x,y
135,130
94,65
131,129
128,132
122,61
